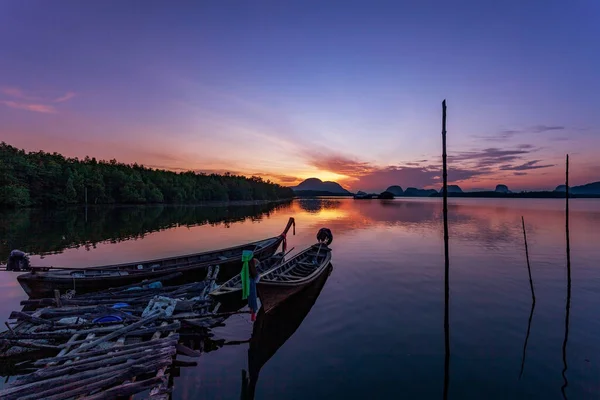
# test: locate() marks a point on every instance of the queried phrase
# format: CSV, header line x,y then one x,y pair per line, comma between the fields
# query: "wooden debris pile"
x,y
113,343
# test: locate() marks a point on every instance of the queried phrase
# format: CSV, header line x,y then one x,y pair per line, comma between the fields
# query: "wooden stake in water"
x,y
446,258
532,300
568,305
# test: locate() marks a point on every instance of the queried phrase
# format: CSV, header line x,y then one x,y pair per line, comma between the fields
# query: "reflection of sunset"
x,y
388,270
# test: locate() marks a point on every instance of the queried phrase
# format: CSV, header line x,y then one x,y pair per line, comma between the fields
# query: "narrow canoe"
x,y
42,281
293,276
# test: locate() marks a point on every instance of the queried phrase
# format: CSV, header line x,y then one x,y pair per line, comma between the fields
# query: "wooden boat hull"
x,y
232,289
272,293
43,284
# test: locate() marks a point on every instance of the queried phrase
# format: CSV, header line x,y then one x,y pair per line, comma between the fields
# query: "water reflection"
x,y
272,330
43,231
317,205
563,389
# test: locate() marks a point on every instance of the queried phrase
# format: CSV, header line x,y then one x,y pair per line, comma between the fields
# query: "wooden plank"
x,y
126,389
118,332
133,346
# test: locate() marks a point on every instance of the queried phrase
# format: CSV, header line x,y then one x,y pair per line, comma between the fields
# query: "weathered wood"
x,y
133,346
126,389
29,318
186,351
79,378
65,333
118,333
85,365
10,329
22,343
163,328
66,348
96,382
57,297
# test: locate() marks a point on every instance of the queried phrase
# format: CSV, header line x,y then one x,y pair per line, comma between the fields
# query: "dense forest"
x,y
40,179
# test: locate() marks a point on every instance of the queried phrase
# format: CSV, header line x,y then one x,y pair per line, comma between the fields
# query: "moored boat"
x,y
232,289
293,276
42,281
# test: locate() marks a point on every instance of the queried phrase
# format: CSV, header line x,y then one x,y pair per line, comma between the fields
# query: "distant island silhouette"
x,y
313,187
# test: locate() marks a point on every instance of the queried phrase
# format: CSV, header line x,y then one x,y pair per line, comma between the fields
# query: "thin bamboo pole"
x,y
446,258
568,304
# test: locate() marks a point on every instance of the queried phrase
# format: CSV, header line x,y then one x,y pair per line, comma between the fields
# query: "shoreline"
x,y
210,203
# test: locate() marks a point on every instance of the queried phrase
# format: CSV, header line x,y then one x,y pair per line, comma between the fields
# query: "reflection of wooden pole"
x,y
446,258
532,299
527,257
568,306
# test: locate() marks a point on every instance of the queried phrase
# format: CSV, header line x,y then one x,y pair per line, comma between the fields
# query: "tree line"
x,y
50,179
49,231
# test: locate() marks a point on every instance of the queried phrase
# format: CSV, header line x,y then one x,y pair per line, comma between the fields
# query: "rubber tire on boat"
x,y
325,236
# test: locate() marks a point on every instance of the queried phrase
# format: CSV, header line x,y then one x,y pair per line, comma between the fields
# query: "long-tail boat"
x,y
293,276
232,289
42,281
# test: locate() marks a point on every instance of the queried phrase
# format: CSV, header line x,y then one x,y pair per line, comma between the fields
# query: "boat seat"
x,y
287,276
307,263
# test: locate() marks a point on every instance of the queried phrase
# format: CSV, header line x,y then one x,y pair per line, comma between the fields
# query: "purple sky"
x,y
348,91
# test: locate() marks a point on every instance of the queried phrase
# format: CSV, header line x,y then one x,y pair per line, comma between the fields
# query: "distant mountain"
x,y
590,188
395,190
452,189
502,189
414,192
317,185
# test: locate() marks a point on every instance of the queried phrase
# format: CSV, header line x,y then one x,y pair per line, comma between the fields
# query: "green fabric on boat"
x,y
245,274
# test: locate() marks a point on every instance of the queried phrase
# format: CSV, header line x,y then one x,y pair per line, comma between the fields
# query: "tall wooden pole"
x,y
568,305
446,258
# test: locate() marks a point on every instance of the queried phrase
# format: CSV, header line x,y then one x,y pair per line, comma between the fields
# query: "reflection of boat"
x,y
42,281
233,287
272,330
293,276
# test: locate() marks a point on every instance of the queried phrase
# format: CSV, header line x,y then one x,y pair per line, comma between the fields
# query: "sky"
x,y
349,91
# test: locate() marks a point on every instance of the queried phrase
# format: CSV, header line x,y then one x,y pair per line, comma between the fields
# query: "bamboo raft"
x,y
103,345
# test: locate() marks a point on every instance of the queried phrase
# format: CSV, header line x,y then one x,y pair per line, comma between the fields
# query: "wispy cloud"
x,y
465,165
64,97
22,100
526,166
41,108
507,134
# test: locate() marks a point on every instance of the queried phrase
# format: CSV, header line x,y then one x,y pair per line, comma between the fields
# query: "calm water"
x,y
376,329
